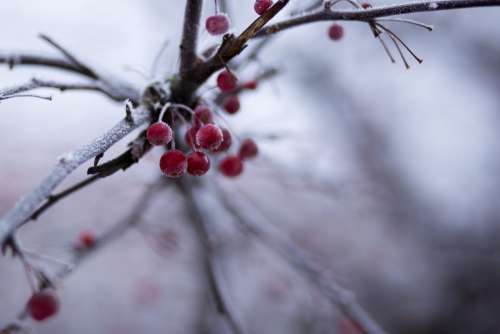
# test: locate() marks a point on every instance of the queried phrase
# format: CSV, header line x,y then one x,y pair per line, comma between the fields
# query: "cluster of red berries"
x,y
43,305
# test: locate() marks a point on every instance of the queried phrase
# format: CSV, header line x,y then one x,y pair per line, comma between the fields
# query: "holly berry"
x,y
226,81
202,115
336,32
173,163
217,24
231,166
198,163
42,305
252,85
226,141
159,133
190,136
209,137
261,6
87,239
366,5
248,149
231,104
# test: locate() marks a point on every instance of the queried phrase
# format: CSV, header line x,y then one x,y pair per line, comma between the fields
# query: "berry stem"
x,y
163,110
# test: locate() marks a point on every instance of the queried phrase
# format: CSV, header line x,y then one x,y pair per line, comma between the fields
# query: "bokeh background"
x,y
387,177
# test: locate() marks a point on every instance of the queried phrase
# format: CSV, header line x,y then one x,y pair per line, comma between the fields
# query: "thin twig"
x,y
192,17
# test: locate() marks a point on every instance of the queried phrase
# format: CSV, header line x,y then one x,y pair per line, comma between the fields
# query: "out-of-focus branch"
x,y
369,14
18,91
192,16
16,216
278,242
207,234
21,58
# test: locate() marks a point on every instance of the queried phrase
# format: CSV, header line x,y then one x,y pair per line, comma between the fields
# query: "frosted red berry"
x,y
217,24
252,85
366,5
248,149
336,32
209,137
202,115
227,140
261,6
190,136
43,305
87,239
159,133
198,163
231,166
231,104
173,163
226,81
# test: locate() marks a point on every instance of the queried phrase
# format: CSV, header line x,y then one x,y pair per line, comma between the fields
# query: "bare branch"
x,y
66,165
373,13
14,59
189,42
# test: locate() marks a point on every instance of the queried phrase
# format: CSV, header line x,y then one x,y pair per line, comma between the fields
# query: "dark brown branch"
x,y
192,17
20,58
370,14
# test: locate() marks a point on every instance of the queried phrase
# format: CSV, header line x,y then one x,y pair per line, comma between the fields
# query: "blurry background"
x,y
387,177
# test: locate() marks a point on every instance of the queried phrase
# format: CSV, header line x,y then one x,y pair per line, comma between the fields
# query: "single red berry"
x,y
198,163
252,85
159,133
231,104
226,141
190,137
43,305
202,115
231,166
209,137
261,6
248,149
217,24
173,163
226,81
336,32
366,5
87,239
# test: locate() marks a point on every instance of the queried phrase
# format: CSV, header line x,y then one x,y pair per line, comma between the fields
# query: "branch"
x,y
14,59
207,234
16,91
369,14
189,42
16,216
276,241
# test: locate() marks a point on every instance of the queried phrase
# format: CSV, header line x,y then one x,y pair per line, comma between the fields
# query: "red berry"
x,y
261,6
231,166
252,85
209,137
190,137
198,163
231,104
335,32
217,24
226,81
248,149
226,141
43,305
159,133
87,239
173,163
202,115
366,5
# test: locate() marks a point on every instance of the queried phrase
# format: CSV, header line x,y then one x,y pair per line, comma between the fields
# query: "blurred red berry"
x,y
202,115
209,137
226,141
190,137
231,166
366,5
217,24
335,32
226,81
248,149
252,85
43,305
173,163
159,133
87,239
198,163
232,104
261,6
